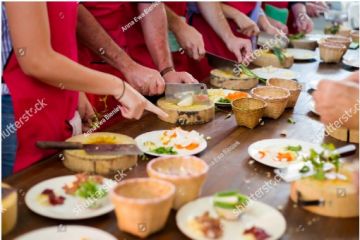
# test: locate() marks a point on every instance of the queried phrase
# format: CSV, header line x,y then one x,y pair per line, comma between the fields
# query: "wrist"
x,y
120,90
167,70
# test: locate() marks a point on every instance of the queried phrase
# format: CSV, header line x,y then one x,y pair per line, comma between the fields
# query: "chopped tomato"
x,y
236,95
173,135
179,146
262,154
285,155
192,146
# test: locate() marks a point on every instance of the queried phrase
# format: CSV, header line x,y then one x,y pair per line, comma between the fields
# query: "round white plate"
x,y
273,146
67,232
74,208
257,214
217,98
272,72
301,54
154,136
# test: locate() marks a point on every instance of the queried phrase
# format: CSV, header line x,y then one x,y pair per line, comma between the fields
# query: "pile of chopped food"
x,y
288,154
48,197
209,226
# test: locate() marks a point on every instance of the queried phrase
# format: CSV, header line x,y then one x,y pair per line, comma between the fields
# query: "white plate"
x,y
257,214
272,72
67,232
217,98
301,54
74,208
154,136
273,146
351,58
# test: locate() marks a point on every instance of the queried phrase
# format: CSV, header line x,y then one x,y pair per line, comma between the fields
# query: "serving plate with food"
x,y
301,54
224,97
71,197
305,41
280,153
273,72
230,216
174,142
67,232
275,57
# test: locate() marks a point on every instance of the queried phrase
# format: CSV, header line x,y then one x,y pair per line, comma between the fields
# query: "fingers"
x,y
160,85
153,87
154,109
131,113
195,52
201,49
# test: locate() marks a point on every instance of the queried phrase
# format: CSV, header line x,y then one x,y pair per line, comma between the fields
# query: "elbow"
x,y
36,66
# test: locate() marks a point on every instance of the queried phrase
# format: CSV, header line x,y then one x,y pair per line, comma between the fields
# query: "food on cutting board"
x,y
9,201
255,233
230,205
171,141
207,226
239,78
87,187
275,57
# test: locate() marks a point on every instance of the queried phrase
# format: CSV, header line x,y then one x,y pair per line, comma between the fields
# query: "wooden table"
x,y
234,170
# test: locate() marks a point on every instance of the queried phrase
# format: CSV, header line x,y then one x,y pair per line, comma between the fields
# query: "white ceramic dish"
x,y
74,208
273,146
257,214
67,232
301,54
272,72
154,136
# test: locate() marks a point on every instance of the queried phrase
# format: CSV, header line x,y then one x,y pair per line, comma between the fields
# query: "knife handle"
x,y
58,145
346,150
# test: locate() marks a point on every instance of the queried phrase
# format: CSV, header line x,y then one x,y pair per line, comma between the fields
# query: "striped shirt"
x,y
6,46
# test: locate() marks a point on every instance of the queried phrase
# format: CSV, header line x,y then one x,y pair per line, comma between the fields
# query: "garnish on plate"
x,y
230,205
208,226
256,233
48,197
297,36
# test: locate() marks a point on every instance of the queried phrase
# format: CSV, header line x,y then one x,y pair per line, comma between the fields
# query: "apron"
x,y
213,43
116,18
291,18
48,121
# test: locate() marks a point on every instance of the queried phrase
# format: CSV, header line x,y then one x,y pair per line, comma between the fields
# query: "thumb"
x,y
154,109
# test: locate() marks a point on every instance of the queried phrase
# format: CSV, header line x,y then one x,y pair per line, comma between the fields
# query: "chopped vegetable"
x,y
164,150
236,95
224,100
279,53
294,148
90,189
291,121
262,154
304,169
288,156
297,36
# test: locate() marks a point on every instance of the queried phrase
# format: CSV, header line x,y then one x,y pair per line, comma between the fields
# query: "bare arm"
x,y
155,28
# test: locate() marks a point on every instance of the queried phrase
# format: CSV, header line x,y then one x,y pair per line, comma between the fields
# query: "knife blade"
x,y
271,41
219,62
92,149
176,92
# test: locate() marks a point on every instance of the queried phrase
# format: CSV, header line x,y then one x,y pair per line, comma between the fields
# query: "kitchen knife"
x,y
292,173
176,92
219,62
93,149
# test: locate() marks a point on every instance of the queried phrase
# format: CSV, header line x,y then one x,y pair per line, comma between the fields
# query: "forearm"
x,y
230,12
175,22
100,43
212,12
264,22
155,31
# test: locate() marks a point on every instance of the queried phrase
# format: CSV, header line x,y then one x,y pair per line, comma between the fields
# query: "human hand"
x,y
247,26
86,111
134,104
145,80
314,9
179,77
345,109
278,25
240,47
191,41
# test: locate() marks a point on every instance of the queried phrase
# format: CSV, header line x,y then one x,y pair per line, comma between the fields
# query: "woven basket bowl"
x,y
331,52
339,39
248,111
293,86
355,36
275,97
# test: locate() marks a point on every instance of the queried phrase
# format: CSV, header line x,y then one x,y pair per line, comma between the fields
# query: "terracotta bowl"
x,y
331,52
188,174
142,205
275,97
293,86
248,111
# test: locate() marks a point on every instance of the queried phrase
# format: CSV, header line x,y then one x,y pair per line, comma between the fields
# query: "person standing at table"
x,y
132,38
43,80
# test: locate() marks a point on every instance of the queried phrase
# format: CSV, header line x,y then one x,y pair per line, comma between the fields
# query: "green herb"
x,y
164,150
279,53
90,189
224,100
296,36
294,148
291,121
333,29
250,73
304,169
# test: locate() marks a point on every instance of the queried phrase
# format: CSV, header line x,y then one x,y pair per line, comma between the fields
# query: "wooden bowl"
x,y
332,198
142,205
266,59
9,203
331,52
195,114
339,39
227,80
188,174
276,99
248,111
80,161
293,86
